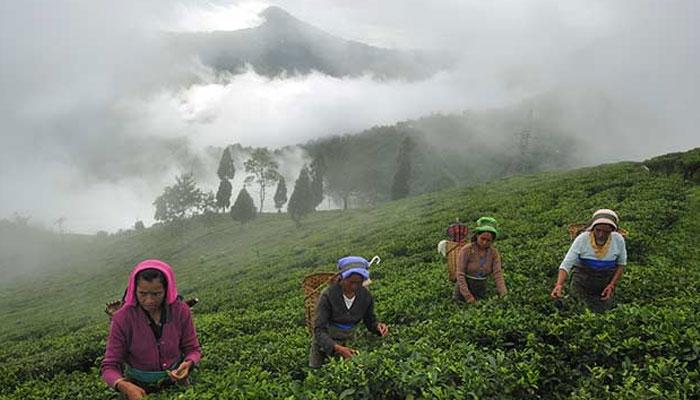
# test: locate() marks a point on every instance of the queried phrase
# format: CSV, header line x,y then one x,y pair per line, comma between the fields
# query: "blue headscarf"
x,y
353,265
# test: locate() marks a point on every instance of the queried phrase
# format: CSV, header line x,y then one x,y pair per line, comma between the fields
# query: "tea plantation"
x,y
250,319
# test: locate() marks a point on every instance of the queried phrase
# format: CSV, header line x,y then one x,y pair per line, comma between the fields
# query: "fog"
x,y
97,117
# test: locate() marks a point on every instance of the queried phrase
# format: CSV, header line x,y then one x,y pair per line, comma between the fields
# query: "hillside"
x,y
250,319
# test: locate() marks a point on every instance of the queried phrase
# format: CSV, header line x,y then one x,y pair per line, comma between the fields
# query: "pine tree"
x,y
280,194
226,169
401,185
301,201
318,169
223,194
243,209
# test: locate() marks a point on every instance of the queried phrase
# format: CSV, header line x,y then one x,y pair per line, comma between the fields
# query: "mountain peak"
x,y
277,15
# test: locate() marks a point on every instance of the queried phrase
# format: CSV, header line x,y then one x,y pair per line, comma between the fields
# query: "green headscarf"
x,y
486,224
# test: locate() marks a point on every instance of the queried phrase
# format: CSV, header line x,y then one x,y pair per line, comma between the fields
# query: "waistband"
x,y
150,377
344,327
592,263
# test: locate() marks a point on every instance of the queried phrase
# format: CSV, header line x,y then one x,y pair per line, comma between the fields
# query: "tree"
x,y
180,200
301,201
223,194
401,185
263,170
318,169
243,209
280,194
226,169
139,226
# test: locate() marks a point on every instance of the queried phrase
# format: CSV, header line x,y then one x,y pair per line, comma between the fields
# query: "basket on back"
x,y
456,233
313,285
576,229
453,259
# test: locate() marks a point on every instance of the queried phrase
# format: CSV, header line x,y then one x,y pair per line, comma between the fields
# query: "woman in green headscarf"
x,y
477,261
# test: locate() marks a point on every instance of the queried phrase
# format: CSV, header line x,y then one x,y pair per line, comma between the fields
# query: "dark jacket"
x,y
331,309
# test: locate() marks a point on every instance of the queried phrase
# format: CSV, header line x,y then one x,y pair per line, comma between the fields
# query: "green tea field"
x,y
250,319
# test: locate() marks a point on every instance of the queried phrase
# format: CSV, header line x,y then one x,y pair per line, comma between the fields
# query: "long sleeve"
x,y
323,315
622,257
573,253
189,344
370,318
462,269
498,274
115,353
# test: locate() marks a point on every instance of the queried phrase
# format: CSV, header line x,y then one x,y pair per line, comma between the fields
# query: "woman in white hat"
x,y
596,260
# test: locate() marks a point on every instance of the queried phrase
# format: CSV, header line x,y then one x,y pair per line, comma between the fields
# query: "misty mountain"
x,y
450,150
285,45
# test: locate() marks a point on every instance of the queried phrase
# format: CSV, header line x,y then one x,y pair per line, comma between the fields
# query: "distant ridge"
x,y
284,44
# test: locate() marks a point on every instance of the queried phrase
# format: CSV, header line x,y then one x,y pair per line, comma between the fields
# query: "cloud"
x,y
97,116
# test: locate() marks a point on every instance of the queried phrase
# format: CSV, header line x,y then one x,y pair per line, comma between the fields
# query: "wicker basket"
x,y
453,259
313,285
576,229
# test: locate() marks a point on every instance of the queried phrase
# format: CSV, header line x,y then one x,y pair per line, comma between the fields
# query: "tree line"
x,y
183,199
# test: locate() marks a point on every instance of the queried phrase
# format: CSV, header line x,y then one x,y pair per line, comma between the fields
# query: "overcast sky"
x,y
92,126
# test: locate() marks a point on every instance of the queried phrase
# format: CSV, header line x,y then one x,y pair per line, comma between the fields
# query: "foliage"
x,y
243,209
449,150
280,194
139,226
687,164
223,194
226,168
263,170
250,319
401,186
301,202
181,200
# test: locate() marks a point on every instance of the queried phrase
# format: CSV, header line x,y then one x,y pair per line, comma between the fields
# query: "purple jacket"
x,y
132,341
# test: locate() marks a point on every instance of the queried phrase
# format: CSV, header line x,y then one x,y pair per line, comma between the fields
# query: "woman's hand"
x,y
470,299
557,292
181,372
607,292
346,352
383,329
130,390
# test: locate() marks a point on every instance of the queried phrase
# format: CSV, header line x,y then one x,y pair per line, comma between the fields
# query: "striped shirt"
x,y
472,266
582,253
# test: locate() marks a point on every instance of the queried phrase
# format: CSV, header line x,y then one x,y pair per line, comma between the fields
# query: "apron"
x,y
587,284
341,334
150,381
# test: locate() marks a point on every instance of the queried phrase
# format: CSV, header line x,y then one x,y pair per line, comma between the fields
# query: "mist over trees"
x,y
441,151
401,186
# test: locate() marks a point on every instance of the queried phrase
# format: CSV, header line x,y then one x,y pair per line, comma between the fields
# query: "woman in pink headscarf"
x,y
152,342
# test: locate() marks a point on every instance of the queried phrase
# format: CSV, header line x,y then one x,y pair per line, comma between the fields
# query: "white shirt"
x,y
581,248
348,301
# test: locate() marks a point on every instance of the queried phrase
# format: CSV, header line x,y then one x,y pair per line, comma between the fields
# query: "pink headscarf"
x,y
171,292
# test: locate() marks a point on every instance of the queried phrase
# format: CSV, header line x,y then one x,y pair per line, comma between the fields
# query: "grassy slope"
x,y
250,318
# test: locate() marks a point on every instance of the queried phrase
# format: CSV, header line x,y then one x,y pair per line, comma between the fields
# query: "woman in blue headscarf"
x,y
340,308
